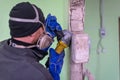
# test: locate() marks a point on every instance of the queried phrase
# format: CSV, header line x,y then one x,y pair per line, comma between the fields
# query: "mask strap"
x,y
20,46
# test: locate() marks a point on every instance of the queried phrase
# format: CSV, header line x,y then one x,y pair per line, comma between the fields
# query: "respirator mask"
x,y
44,40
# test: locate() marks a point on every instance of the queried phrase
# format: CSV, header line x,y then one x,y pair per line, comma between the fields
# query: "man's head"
x,y
26,22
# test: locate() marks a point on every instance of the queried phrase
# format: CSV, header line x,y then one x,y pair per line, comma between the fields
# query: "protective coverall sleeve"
x,y
55,63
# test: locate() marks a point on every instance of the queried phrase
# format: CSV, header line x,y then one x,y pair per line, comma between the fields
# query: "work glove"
x,y
52,26
64,42
55,63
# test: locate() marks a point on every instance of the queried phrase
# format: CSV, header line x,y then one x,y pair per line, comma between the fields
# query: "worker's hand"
x,y
55,63
52,25
67,37
64,42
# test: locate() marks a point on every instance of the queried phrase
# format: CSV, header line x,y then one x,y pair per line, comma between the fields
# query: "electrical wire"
x,y
100,47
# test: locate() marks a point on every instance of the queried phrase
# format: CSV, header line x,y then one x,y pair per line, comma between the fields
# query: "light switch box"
x,y
80,48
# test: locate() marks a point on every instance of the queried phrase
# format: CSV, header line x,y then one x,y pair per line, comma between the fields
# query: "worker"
x,y
31,38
